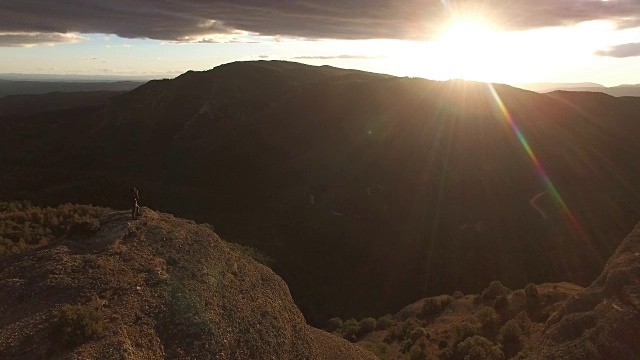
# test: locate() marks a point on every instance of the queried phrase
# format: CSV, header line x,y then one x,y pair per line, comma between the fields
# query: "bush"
x,y
366,326
385,322
25,227
334,324
523,321
531,292
434,306
443,344
488,318
458,294
380,350
532,298
494,290
501,303
510,332
416,353
350,330
78,323
465,330
479,348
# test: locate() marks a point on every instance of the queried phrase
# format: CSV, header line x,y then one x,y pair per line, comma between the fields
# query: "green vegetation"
x,y
77,324
434,306
385,322
494,290
479,348
510,332
488,319
24,227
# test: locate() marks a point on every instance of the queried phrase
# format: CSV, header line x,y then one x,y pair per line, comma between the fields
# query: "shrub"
x,y
532,298
458,294
523,321
24,227
416,353
78,323
501,303
434,306
479,348
334,324
385,322
510,332
380,350
494,290
350,330
488,318
531,291
366,326
465,330
443,344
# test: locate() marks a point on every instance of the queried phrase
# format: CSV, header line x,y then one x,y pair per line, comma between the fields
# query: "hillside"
x,y
381,189
545,321
154,288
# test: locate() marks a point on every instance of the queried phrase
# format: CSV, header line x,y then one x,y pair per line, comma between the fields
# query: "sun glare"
x,y
467,44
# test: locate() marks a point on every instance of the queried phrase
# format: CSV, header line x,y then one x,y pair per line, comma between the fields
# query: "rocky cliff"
x,y
161,287
603,322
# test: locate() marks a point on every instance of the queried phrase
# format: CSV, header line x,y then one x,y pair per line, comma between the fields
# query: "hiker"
x,y
135,211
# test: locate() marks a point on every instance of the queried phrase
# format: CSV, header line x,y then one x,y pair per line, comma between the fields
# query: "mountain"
x,y
25,105
618,91
156,287
16,87
367,187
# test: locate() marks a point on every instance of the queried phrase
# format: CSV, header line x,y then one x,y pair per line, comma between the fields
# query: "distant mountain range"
x,y
618,91
369,191
20,87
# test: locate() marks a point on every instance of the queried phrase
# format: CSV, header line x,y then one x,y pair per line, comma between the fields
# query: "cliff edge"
x,y
162,287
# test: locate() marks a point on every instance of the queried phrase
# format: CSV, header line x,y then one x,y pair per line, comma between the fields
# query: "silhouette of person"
x,y
135,211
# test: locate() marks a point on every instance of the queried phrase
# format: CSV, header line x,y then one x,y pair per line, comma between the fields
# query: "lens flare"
x,y
541,172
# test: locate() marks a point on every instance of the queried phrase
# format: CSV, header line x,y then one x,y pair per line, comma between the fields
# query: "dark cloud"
x,y
191,20
31,39
621,51
323,57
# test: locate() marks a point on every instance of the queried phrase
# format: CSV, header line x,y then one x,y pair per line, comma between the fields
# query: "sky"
x,y
513,42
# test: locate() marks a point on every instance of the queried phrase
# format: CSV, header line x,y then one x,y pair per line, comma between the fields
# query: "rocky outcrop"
x,y
603,322
166,288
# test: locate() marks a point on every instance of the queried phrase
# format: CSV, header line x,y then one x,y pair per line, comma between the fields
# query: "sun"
x,y
463,30
470,47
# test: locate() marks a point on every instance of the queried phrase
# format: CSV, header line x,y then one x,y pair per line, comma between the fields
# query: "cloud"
x,y
24,39
194,20
330,57
621,51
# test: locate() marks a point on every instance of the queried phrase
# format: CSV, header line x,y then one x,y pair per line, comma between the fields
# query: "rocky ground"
x,y
161,287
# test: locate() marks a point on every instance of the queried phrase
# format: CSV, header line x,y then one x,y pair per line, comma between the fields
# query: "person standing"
x,y
135,211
